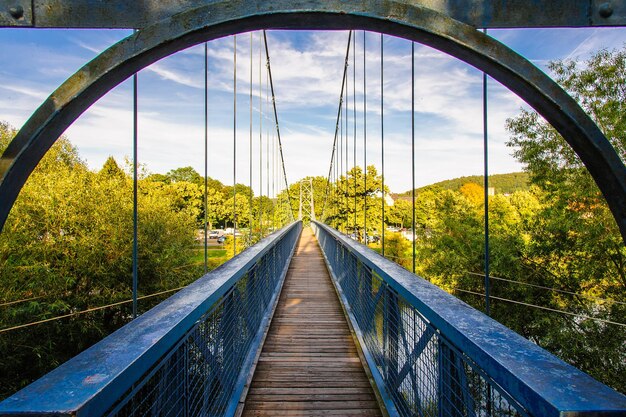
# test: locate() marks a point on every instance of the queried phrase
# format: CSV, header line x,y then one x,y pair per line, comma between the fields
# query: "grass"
x,y
198,254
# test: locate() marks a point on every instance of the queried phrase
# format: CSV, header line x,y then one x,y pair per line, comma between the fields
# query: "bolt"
x,y
605,10
16,11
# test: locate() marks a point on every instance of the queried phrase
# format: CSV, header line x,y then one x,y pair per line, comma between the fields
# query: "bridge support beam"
x,y
478,13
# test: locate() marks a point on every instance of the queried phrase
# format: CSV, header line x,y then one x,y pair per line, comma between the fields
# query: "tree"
x,y
262,213
575,243
237,209
473,192
285,208
112,170
215,201
68,240
401,213
340,209
187,174
398,249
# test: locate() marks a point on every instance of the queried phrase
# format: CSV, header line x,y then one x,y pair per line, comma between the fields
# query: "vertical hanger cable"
x,y
364,141
355,128
486,185
382,143
260,136
413,148
345,195
250,197
135,206
234,145
206,157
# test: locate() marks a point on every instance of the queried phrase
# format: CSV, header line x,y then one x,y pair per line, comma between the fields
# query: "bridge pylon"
x,y
307,206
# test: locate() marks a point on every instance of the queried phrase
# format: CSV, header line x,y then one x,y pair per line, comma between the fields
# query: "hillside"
x,y
503,183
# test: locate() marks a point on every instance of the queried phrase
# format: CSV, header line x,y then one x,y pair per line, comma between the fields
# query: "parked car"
x,y
214,234
372,239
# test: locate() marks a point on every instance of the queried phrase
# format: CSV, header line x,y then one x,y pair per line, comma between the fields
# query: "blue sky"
x,y
307,68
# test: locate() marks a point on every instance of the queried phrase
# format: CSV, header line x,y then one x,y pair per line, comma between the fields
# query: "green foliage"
x,y
559,233
398,249
112,170
68,239
575,242
186,174
400,214
549,227
341,212
68,243
502,183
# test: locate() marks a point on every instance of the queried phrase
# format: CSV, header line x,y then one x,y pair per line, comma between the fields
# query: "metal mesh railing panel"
x,y
422,372
200,374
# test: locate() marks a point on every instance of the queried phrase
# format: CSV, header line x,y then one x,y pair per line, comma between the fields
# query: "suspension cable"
x,y
89,310
8,303
332,157
280,146
543,287
569,313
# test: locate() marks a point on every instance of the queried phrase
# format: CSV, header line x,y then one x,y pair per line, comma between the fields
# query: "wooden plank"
x,y
310,405
309,365
307,397
313,391
315,413
309,383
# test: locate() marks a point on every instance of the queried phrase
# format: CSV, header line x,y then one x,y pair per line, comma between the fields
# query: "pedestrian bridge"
x,y
309,322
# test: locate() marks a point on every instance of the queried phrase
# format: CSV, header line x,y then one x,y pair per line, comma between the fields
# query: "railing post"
x,y
228,325
454,398
365,295
391,330
186,376
251,288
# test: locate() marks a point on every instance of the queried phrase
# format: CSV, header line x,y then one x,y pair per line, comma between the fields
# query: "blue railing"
x,y
190,356
432,355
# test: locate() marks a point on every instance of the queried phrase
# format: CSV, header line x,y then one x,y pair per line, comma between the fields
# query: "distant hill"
x,y
503,184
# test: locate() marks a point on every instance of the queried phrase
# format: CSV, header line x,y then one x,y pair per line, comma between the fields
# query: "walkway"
x,y
309,365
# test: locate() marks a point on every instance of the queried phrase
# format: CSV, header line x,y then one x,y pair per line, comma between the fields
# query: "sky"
x,y
307,69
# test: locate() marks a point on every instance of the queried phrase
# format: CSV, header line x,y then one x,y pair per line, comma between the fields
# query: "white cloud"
x,y
307,69
174,76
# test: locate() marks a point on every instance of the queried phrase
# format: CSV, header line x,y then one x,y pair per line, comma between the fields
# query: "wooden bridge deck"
x,y
309,365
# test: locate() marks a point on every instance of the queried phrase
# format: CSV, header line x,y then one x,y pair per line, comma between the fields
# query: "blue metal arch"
x,y
396,17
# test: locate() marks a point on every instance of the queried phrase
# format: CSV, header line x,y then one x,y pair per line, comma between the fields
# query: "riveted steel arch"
x,y
400,18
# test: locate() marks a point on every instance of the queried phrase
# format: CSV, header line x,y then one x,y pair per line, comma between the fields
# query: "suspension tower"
x,y
306,192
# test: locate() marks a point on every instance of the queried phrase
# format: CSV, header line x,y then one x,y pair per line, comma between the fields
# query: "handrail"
x,y
192,351
432,354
